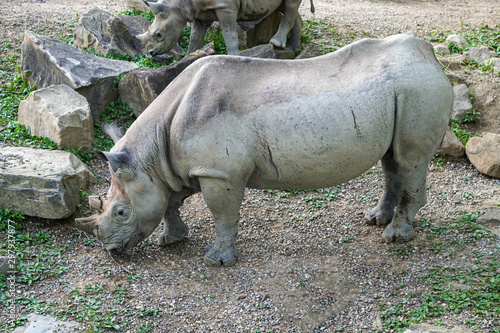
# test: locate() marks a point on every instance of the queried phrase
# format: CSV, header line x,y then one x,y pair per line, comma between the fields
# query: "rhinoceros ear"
x,y
156,7
117,160
120,164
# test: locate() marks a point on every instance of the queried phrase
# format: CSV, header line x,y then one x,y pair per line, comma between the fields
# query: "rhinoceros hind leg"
x,y
286,24
223,198
412,197
383,213
175,229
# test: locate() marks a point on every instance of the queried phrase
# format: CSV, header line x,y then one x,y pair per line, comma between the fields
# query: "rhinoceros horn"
x,y
87,224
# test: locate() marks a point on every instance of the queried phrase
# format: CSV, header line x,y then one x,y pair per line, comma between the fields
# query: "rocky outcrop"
x,y
108,34
140,87
43,183
46,61
484,154
61,114
462,103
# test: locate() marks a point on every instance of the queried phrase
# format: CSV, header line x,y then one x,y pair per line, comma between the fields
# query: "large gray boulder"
x,y
140,87
107,33
484,154
46,61
40,182
462,103
61,114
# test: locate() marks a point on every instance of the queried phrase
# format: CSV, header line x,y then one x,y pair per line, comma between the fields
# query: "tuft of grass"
x,y
469,290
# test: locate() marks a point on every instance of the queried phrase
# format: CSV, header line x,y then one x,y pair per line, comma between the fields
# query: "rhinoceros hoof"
x,y
166,239
226,257
398,235
278,43
378,217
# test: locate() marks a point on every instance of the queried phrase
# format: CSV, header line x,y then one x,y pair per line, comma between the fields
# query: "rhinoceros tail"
x,y
312,7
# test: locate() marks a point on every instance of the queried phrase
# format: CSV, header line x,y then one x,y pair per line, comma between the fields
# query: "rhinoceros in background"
x,y
172,15
228,122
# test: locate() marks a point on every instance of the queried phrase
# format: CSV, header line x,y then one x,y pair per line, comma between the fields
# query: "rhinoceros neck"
x,y
148,140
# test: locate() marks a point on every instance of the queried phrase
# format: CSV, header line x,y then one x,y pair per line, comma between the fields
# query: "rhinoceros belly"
x,y
321,140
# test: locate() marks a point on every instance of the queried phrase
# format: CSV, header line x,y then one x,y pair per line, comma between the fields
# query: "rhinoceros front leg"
x,y
175,229
227,19
223,198
198,32
383,213
286,24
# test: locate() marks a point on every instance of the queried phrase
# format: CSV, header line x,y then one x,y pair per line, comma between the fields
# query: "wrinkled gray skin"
x,y
227,123
172,15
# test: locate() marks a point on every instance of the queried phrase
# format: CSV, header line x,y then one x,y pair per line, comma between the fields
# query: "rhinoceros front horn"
x,y
87,224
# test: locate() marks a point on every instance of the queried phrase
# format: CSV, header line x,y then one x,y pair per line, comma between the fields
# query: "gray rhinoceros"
x,y
228,122
172,15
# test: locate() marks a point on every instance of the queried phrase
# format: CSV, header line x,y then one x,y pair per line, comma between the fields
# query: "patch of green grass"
x,y
460,132
472,291
135,12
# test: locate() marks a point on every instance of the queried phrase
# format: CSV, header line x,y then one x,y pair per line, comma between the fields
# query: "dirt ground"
x,y
307,262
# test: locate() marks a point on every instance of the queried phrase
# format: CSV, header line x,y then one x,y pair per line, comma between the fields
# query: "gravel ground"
x,y
307,262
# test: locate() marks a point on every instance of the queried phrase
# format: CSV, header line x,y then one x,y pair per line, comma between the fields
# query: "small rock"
x,y
451,146
7,264
462,103
440,48
491,217
480,53
42,324
484,155
260,51
457,40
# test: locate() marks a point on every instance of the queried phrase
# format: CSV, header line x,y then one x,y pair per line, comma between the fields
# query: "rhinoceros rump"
x,y
172,15
227,123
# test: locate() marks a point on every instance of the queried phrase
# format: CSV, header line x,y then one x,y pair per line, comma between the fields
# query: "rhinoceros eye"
x,y
122,212
158,34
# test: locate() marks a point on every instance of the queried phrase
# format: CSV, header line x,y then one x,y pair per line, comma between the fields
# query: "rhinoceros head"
x,y
166,28
131,209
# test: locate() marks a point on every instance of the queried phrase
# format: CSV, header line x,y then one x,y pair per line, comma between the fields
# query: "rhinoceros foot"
x,y
167,239
220,255
278,43
394,233
377,216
